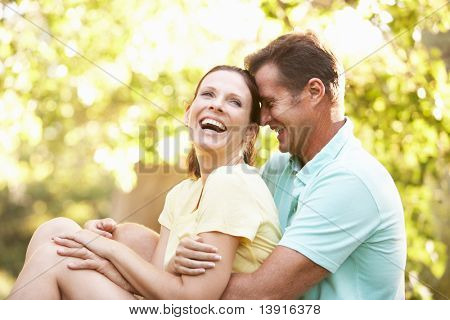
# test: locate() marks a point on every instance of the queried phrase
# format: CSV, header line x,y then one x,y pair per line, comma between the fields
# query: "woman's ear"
x,y
186,116
251,132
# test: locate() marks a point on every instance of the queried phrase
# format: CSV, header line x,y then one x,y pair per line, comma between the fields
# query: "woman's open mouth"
x,y
209,124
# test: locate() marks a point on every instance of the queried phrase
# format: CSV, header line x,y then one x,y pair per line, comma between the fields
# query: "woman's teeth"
x,y
212,125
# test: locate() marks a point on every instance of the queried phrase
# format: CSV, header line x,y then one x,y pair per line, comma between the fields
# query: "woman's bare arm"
x,y
154,283
150,280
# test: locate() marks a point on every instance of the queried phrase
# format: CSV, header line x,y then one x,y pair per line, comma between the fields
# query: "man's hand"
x,y
103,227
193,257
87,260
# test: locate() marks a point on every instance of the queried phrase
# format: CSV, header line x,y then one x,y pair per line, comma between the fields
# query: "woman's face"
x,y
220,113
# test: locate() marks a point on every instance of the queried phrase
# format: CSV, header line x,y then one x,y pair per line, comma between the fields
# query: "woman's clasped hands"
x,y
91,247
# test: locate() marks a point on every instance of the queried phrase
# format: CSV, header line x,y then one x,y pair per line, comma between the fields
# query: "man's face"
x,y
289,115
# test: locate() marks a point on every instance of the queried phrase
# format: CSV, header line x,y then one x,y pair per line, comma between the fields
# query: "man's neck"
x,y
322,133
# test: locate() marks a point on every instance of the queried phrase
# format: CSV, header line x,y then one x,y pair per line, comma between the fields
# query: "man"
x,y
340,212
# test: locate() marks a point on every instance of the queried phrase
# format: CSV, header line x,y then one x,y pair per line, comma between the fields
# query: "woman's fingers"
x,y
81,253
103,233
67,242
83,265
194,264
108,225
103,227
197,255
188,272
196,244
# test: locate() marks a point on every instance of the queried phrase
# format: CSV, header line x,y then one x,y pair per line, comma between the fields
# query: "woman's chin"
x,y
214,147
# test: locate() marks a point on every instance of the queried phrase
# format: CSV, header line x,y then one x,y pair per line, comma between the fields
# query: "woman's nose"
x,y
216,105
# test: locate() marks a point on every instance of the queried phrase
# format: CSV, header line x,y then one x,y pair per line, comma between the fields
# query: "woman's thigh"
x,y
137,237
46,276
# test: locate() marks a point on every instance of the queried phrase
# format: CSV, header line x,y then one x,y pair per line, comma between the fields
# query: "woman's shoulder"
x,y
240,182
182,187
240,176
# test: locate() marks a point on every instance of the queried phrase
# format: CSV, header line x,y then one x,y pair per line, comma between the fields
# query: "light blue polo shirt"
x,y
342,210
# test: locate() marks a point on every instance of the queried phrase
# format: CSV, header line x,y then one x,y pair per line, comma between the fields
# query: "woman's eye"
x,y
207,93
236,102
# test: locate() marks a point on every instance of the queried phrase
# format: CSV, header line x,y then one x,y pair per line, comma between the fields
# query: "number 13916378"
x,y
290,309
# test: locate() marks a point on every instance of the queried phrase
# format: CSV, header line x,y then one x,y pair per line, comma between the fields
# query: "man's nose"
x,y
265,116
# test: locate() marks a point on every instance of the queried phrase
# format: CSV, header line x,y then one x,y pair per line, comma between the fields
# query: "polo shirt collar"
x,y
326,155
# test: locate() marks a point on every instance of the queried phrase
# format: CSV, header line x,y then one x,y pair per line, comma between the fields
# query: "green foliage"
x,y
69,124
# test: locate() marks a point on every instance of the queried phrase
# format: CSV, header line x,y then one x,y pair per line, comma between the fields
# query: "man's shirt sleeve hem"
x,y
314,256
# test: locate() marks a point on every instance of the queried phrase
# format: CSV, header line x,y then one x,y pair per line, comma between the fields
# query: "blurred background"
x,y
84,83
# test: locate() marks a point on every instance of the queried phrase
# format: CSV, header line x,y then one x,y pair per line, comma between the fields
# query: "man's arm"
x,y
285,274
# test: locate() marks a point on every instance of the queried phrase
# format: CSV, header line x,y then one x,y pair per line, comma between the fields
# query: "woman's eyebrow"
x,y
235,95
208,88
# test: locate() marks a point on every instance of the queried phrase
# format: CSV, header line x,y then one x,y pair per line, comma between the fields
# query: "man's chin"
x,y
282,148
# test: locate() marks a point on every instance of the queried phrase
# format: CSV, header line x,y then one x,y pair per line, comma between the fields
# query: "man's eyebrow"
x,y
267,99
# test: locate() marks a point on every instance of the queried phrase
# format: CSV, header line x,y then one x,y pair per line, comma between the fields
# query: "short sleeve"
x,y
337,215
167,215
229,205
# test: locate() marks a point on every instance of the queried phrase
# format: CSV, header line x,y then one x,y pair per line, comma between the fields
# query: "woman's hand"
x,y
193,257
99,245
87,260
103,227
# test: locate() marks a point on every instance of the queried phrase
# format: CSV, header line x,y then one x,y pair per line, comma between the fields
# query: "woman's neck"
x,y
209,161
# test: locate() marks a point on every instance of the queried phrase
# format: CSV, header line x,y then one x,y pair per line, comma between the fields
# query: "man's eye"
x,y
268,104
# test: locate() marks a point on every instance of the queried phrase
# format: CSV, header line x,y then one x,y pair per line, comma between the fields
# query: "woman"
x,y
226,203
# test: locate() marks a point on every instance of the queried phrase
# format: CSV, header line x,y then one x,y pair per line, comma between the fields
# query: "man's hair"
x,y
300,57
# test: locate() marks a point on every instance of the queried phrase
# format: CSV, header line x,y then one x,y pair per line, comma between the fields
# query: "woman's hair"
x,y
249,150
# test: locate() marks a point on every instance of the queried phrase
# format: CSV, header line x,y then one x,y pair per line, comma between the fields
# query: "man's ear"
x,y
315,89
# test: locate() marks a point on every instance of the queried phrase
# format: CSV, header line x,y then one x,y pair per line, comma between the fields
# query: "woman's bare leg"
x,y
45,274
137,237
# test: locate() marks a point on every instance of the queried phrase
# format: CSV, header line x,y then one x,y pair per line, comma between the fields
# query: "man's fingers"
x,y
194,244
189,272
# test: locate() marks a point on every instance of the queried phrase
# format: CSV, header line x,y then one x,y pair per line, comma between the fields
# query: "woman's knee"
x,y
57,226
133,231
47,230
138,237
